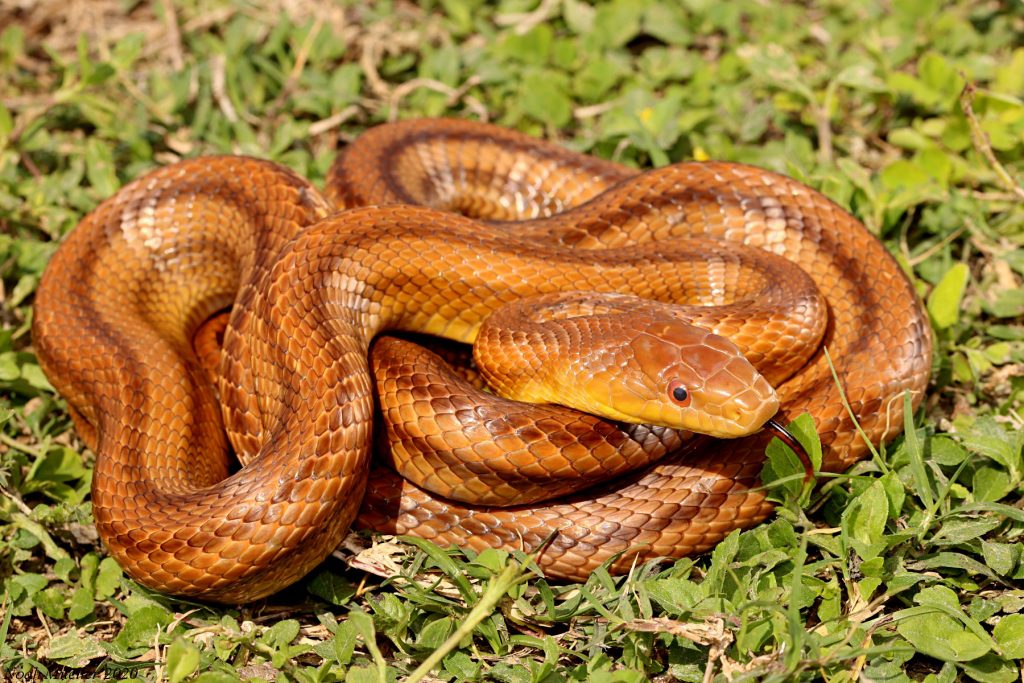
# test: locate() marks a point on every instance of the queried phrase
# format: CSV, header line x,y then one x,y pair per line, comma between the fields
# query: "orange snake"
x,y
121,299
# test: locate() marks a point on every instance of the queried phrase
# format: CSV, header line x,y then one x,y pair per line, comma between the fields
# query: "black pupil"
x,y
679,394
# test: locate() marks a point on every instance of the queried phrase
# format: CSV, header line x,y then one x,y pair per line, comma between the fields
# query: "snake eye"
x,y
679,393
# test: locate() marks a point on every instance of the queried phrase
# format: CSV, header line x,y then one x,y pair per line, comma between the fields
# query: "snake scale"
x,y
310,287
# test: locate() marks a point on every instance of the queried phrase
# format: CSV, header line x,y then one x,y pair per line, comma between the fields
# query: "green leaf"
x,y
989,438
74,650
1001,558
596,78
89,567
82,604
954,560
99,165
944,301
940,77
21,291
945,451
991,484
282,633
1007,304
1009,635
579,16
51,602
27,584
182,660
532,47
1010,75
955,531
460,12
441,559
344,642
863,522
937,165
895,493
363,625
139,628
109,578
542,95
982,609
617,22
805,431
434,633
721,557
462,666
939,635
127,50
9,370
217,677
676,596
63,568
991,669
909,138
331,587
62,464
782,462
667,22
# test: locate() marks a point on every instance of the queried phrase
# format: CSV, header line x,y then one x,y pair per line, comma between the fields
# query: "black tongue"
x,y
790,440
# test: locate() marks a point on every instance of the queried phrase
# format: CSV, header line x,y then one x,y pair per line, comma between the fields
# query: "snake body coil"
x,y
120,301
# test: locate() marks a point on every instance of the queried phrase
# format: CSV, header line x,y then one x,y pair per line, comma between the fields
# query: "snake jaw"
x,y
735,419
725,396
730,400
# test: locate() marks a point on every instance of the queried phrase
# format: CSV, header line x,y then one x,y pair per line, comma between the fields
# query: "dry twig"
x,y
981,142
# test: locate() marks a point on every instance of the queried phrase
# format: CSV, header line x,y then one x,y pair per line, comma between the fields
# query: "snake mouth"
x,y
787,438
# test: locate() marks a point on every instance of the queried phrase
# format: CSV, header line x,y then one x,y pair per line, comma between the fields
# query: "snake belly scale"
x,y
309,289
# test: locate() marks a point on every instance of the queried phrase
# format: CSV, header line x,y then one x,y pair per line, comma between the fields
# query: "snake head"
x,y
678,375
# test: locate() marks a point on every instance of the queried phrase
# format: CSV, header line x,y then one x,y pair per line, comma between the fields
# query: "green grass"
x,y
911,113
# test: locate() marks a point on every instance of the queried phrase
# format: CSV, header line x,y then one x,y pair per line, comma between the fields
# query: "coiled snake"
x,y
309,289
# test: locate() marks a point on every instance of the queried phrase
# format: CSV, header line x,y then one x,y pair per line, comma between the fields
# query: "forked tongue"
x,y
787,438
